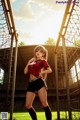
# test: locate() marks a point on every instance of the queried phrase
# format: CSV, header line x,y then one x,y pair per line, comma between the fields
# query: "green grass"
x,y
41,116
26,116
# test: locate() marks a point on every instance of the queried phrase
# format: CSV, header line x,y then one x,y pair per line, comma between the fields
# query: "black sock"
x,y
32,113
48,113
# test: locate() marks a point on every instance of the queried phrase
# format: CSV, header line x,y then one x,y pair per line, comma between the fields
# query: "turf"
x,y
26,116
41,116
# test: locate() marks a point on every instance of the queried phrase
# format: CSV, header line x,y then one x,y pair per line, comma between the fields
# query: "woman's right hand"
x,y
29,62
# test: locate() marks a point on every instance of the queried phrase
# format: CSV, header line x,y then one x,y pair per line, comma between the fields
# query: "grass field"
x,y
41,116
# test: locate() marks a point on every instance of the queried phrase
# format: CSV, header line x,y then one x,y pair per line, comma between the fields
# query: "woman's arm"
x,y
26,68
45,71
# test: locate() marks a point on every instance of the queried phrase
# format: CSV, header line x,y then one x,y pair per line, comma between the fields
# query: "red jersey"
x,y
36,66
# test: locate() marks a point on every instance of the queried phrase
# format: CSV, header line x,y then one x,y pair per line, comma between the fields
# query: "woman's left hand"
x,y
40,75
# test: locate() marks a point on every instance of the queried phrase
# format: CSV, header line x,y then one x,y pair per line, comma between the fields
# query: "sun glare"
x,y
46,25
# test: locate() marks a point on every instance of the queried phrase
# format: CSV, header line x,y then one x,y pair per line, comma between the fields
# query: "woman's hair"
x,y
43,50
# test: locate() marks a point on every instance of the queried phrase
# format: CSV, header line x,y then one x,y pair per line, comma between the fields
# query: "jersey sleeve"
x,y
45,64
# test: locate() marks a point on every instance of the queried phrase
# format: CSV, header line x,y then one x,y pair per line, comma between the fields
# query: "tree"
x,y
77,43
50,41
22,43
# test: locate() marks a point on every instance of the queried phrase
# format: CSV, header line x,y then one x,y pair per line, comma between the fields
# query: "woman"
x,y
38,67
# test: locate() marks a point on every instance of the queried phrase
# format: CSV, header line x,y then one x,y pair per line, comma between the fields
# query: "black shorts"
x,y
35,85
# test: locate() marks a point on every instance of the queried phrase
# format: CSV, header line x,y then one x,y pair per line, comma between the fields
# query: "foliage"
x,y
22,43
50,41
77,42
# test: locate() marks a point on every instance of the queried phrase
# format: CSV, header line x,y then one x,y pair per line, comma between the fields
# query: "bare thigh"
x,y
42,93
29,99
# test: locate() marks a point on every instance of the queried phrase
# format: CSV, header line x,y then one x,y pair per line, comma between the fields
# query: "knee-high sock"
x,y
32,113
48,113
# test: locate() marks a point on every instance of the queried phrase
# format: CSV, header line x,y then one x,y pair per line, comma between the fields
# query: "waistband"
x,y
34,80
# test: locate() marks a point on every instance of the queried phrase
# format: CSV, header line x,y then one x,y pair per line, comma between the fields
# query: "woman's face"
x,y
39,54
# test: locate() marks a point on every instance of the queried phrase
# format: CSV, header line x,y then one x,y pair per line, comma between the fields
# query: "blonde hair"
x,y
43,50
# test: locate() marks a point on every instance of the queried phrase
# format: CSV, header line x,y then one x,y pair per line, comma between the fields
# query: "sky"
x,y
37,20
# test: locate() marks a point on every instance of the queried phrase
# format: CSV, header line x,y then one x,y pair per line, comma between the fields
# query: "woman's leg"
x,y
29,100
43,98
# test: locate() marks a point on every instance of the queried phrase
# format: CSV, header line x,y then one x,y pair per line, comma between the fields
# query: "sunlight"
x,y
45,27
41,20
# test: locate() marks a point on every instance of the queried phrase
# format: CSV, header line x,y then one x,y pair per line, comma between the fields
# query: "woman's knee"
x,y
28,106
44,103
